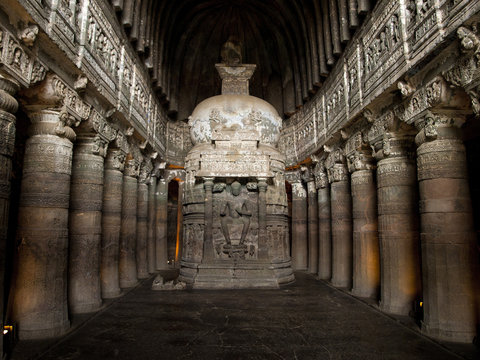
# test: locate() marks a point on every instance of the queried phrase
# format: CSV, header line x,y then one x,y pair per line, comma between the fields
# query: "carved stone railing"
x,y
395,39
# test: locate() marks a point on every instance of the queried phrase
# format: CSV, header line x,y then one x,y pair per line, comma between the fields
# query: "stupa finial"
x,y
234,74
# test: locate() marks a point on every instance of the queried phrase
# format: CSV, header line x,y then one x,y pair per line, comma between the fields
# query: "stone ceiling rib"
x,y
294,44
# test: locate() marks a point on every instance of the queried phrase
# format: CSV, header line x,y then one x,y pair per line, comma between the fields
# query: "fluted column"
x,y
111,222
128,232
8,107
366,257
161,200
151,246
449,254
341,208
400,283
39,304
142,231
324,223
85,220
299,226
312,225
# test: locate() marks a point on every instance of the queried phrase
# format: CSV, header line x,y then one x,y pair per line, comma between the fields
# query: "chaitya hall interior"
x,y
240,179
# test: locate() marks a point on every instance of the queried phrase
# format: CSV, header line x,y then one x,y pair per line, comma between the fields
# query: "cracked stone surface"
x,y
304,320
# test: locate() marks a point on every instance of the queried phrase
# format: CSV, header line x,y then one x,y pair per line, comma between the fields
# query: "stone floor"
x,y
305,320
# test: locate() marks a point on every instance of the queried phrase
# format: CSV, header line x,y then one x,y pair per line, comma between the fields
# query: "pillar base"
x,y
37,334
247,275
86,308
341,284
143,276
112,295
395,310
365,294
451,336
128,284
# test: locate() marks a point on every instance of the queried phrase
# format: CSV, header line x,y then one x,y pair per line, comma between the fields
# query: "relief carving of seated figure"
x,y
235,211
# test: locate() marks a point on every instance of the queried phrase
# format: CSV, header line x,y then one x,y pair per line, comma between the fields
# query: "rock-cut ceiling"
x,y
294,44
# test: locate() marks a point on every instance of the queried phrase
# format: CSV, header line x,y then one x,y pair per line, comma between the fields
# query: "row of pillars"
x,y
394,226
89,223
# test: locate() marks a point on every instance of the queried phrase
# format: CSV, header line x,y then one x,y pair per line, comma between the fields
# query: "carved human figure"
x,y
235,211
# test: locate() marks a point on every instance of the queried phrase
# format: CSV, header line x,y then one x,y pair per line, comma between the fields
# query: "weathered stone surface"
x,y
449,265
40,296
366,257
299,227
161,203
85,223
151,226
142,231
398,233
127,260
8,107
312,227
342,251
111,223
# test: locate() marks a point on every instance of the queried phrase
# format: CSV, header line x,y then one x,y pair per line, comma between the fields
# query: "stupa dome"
x,y
235,117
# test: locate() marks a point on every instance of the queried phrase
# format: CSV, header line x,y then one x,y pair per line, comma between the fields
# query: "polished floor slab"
x,y
305,320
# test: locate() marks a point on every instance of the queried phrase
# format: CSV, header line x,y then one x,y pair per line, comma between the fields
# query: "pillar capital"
x,y
8,106
52,122
145,170
464,73
262,184
438,126
336,166
359,153
115,159
132,167
96,127
54,94
208,183
293,177
390,137
320,173
8,87
91,144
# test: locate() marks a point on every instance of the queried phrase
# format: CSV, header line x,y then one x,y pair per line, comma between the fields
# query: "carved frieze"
x,y
18,59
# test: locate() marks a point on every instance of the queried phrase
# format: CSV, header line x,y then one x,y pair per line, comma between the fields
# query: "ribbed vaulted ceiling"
x,y
293,42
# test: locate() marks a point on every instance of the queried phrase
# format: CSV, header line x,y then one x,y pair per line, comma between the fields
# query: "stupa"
x,y
235,205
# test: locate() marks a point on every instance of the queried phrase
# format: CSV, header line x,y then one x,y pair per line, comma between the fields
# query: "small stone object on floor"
x,y
160,284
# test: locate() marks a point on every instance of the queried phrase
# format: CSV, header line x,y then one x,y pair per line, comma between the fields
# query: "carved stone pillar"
x,y
85,220
161,200
449,254
366,257
207,242
400,283
179,249
151,246
8,106
262,218
142,219
324,224
111,222
299,225
142,231
40,295
312,224
128,232
341,208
